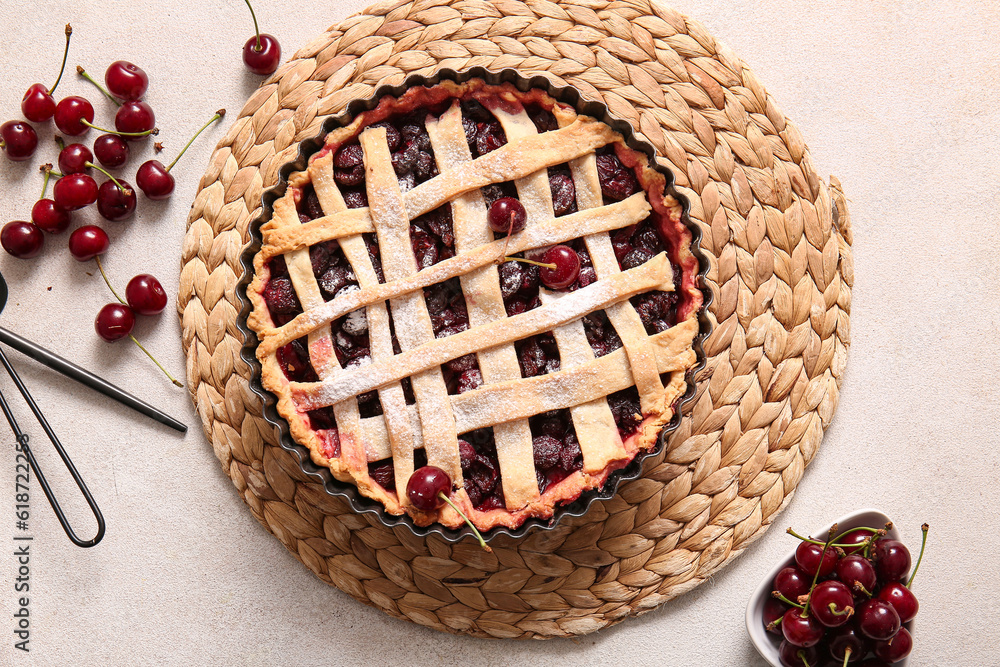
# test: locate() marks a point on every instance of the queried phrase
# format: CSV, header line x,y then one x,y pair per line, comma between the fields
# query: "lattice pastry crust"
x,y
505,401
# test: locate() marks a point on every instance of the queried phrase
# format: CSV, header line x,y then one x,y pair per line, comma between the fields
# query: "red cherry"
x,y
21,239
113,203
845,638
895,649
111,150
126,81
49,216
831,603
154,180
38,105
70,114
75,191
791,655
854,539
264,58
18,139
800,630
773,610
567,267
854,570
506,214
135,118
792,582
878,620
146,296
425,487
811,557
87,242
73,159
892,559
114,322
902,600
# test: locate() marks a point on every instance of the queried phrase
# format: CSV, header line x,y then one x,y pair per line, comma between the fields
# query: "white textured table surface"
x,y
898,99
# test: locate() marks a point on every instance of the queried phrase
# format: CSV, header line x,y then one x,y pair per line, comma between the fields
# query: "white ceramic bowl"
x,y
767,643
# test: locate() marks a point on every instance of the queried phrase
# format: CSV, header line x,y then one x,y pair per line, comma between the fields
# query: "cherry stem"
x,y
510,230
479,537
544,265
47,170
822,557
82,72
218,114
846,611
125,191
804,539
144,133
59,142
923,543
69,31
100,266
801,655
165,372
778,596
858,586
847,655
256,30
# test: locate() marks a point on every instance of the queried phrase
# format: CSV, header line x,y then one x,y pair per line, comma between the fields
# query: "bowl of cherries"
x,y
842,597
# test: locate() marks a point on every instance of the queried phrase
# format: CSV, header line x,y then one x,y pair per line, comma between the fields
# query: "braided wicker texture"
x,y
779,241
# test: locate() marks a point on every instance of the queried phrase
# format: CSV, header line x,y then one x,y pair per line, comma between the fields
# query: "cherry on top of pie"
x,y
398,329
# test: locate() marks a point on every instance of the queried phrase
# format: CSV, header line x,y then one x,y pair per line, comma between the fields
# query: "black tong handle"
x,y
23,440
85,377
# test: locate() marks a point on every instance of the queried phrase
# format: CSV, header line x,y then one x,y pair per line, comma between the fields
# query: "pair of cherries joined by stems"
x,y
559,266
144,295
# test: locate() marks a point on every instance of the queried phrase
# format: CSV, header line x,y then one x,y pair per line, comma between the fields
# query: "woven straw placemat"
x,y
779,241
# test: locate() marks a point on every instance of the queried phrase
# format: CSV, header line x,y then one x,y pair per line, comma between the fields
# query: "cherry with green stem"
x,y
819,567
73,116
133,118
115,320
38,105
82,72
116,200
154,179
46,214
261,53
428,489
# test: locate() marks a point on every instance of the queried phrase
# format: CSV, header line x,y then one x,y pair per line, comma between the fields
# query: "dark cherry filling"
x,y
537,355
481,469
556,449
294,361
563,190
432,237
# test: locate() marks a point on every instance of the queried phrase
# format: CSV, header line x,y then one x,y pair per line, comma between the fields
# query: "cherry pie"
x,y
397,329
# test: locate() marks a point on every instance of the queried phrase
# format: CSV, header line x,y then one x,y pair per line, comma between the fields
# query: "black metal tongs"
x,y
79,374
